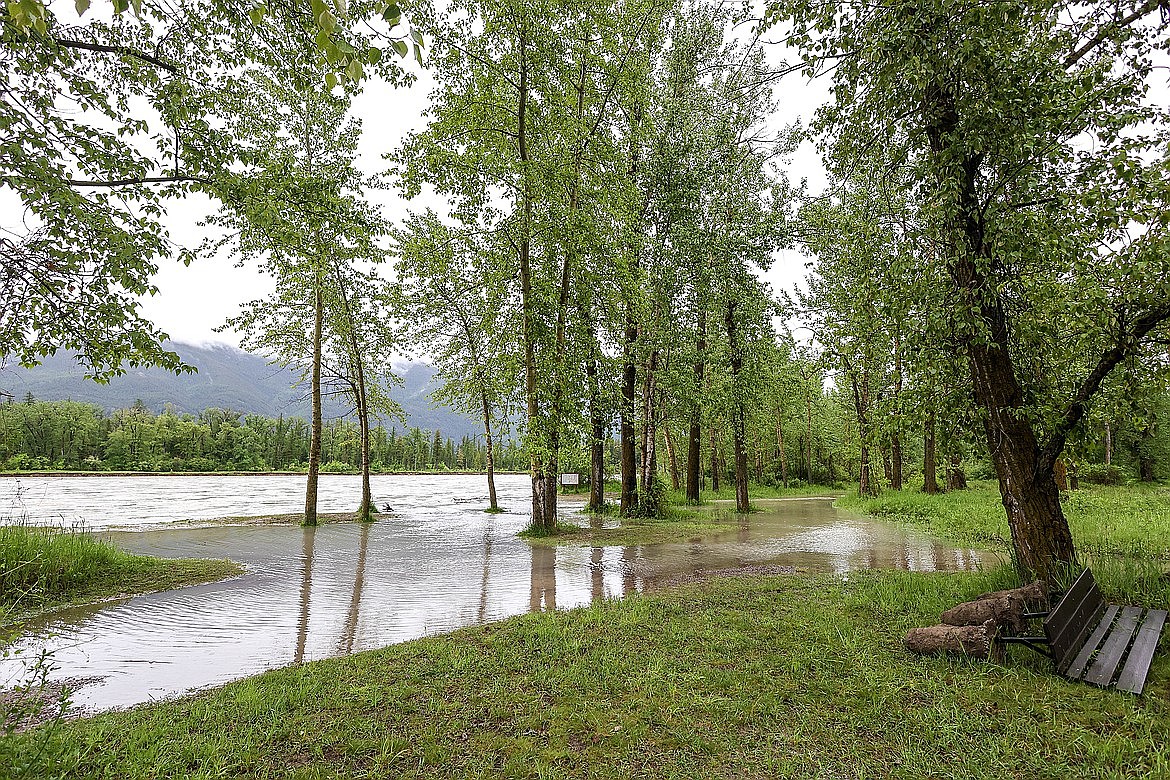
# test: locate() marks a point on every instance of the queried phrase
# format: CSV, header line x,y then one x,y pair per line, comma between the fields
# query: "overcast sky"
x,y
194,300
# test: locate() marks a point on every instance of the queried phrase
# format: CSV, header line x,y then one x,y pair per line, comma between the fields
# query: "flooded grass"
x,y
46,568
1123,533
760,677
675,525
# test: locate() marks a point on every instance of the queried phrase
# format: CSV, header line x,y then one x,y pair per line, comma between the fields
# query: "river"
x,y
436,564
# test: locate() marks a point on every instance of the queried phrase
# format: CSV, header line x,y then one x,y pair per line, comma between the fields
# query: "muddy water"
x,y
438,565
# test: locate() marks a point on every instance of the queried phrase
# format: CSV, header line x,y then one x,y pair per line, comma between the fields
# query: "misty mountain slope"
x,y
227,378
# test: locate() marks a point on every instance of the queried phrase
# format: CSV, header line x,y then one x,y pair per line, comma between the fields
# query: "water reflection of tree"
x,y
487,565
310,535
543,591
348,634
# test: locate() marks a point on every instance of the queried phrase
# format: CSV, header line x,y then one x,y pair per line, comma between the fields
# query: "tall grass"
x,y
41,568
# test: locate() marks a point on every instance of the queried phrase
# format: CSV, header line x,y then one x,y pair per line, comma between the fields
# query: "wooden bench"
x,y
1089,639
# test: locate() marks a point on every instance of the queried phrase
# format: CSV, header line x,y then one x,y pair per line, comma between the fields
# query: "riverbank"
x,y
1122,532
43,569
768,676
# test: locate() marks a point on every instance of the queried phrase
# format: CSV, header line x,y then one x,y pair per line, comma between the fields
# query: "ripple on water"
x,y
440,563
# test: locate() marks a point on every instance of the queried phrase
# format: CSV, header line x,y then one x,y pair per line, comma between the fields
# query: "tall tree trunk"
x,y
737,413
315,438
714,461
780,446
694,440
489,455
1146,465
929,457
809,441
597,443
629,497
542,501
1041,539
1108,444
675,482
648,496
866,488
896,476
956,479
366,509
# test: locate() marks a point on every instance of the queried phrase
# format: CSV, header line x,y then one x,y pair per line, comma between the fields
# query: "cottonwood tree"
x,y
449,283
107,117
299,212
520,124
1037,154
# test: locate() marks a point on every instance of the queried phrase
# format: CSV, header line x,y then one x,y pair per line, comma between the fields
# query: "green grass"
x,y
1122,532
43,569
771,677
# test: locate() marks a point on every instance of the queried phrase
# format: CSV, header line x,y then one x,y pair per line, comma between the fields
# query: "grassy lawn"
x,y
768,677
43,569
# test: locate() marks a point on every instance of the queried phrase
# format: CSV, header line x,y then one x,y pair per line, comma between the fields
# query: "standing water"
x,y
436,564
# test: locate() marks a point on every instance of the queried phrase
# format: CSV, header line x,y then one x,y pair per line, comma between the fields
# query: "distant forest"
x,y
74,436
68,435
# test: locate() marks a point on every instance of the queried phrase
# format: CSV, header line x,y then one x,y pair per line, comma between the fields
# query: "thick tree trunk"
x,y
1041,539
315,438
929,457
737,414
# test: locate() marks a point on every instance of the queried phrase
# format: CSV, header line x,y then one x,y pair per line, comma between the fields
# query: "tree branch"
x,y
1103,34
123,50
1127,341
140,180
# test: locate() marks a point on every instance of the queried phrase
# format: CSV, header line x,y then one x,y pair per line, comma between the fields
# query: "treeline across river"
x,y
68,435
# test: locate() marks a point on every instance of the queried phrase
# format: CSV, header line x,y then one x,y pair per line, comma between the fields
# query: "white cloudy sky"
x,y
193,300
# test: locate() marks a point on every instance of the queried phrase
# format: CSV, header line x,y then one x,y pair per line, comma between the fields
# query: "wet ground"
x,y
439,564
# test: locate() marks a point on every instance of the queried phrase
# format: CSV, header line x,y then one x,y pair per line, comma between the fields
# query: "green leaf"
x,y
374,55
120,6
82,6
330,80
401,48
257,14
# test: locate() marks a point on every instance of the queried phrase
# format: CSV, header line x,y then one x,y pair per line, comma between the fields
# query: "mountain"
x,y
227,378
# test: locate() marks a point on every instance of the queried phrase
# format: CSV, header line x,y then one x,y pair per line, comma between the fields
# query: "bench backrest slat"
x,y
1073,618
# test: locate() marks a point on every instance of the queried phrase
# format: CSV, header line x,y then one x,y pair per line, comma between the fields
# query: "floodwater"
x,y
439,563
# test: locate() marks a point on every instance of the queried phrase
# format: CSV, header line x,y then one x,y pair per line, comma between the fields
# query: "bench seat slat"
x,y
1109,657
1081,663
1137,666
